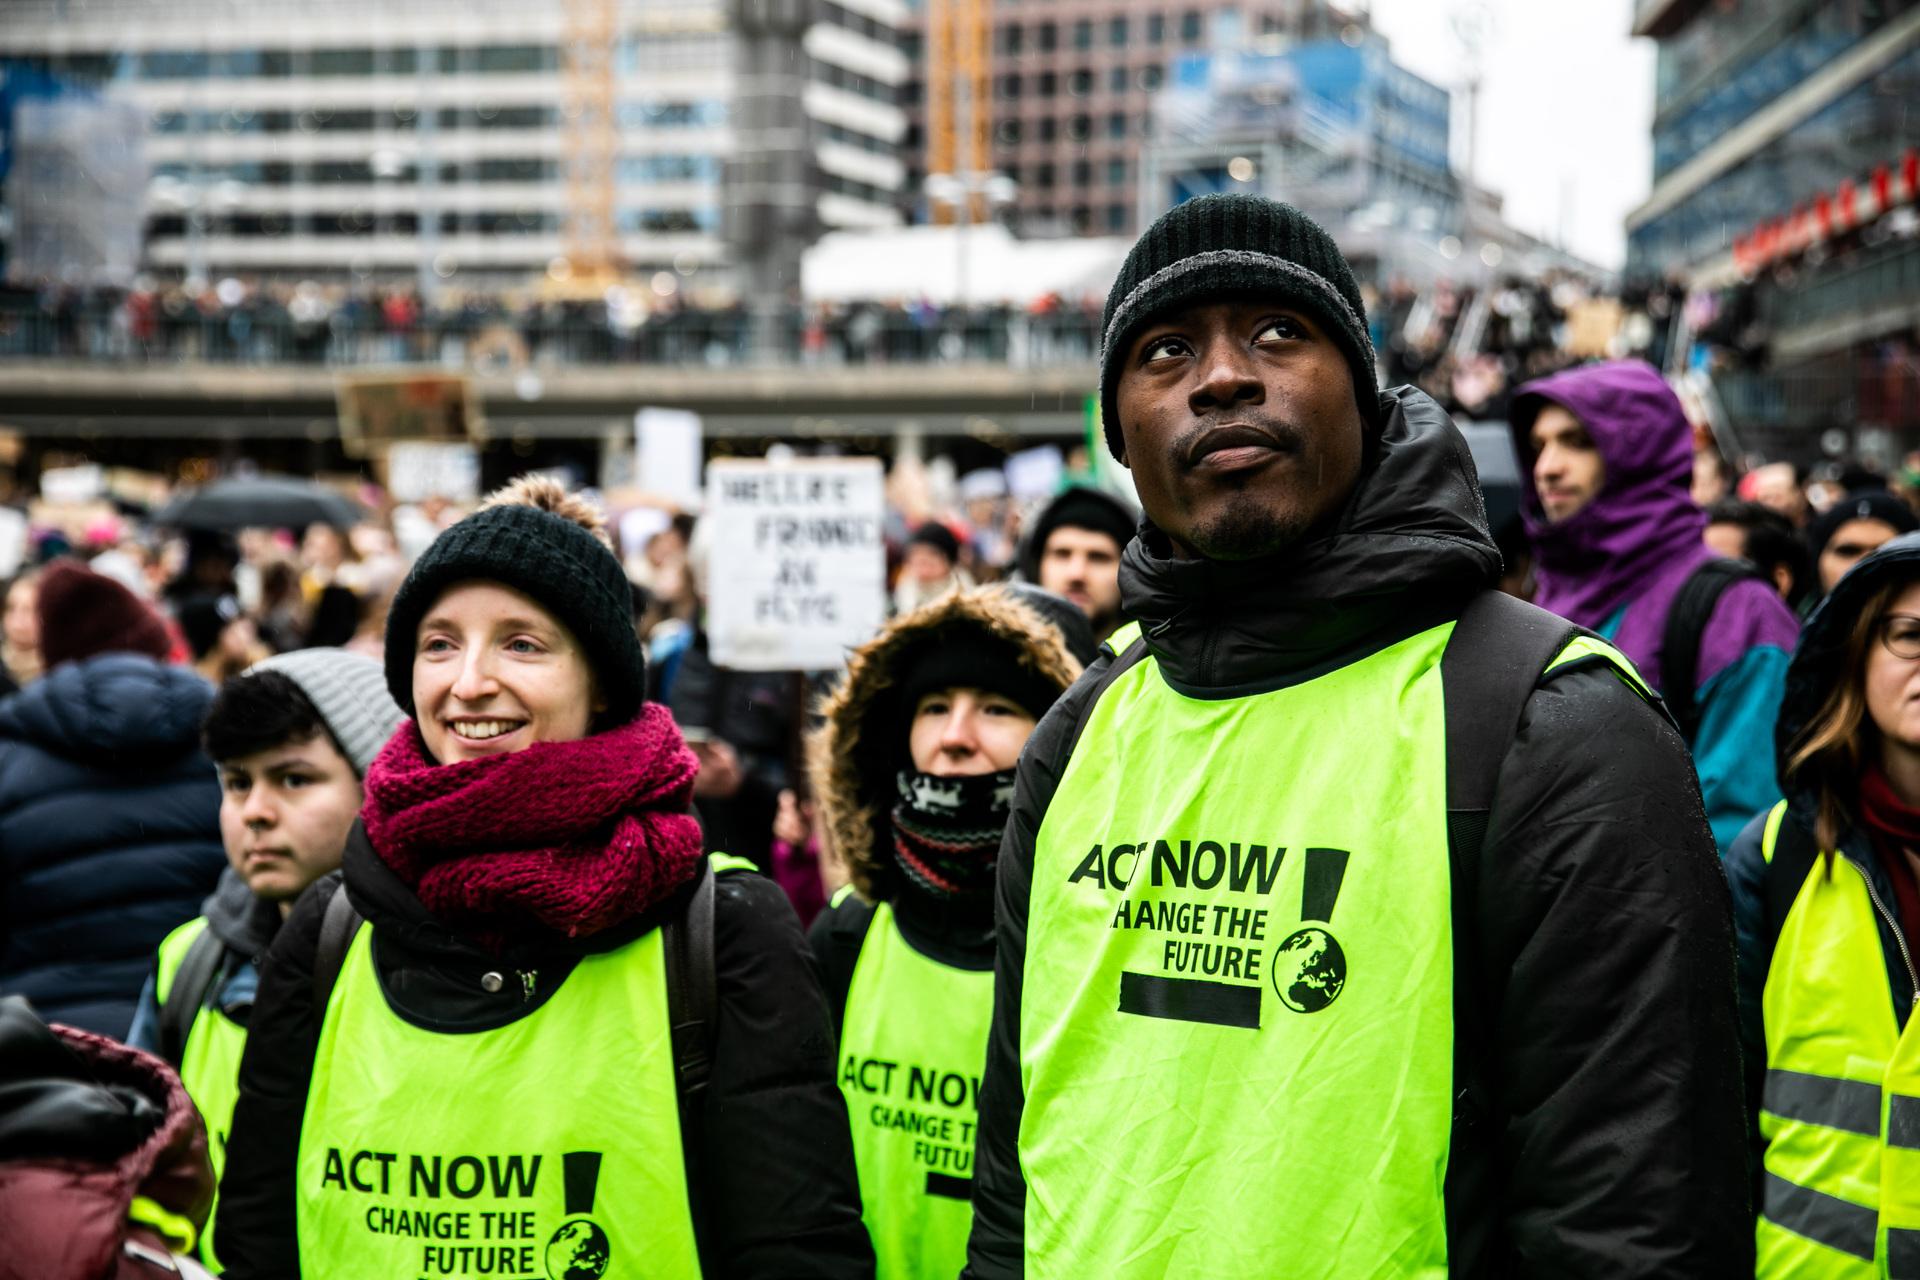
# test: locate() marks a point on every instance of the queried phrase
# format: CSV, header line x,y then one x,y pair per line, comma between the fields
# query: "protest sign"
x,y
797,564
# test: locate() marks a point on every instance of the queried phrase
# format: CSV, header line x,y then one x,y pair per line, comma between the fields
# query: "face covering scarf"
x,y
570,836
946,831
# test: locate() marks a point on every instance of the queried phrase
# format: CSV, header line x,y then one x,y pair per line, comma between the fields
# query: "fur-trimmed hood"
x,y
851,760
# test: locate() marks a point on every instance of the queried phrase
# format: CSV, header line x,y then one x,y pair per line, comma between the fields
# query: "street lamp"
x,y
960,191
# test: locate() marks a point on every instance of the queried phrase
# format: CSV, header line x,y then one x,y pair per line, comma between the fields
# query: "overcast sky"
x,y
1565,107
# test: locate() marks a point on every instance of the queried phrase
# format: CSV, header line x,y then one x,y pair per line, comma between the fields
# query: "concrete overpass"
x,y
57,404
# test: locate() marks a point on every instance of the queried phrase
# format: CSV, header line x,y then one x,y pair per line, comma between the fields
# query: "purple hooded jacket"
x,y
1631,549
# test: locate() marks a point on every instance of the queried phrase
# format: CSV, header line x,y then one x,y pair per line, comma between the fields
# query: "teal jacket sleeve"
x,y
1733,749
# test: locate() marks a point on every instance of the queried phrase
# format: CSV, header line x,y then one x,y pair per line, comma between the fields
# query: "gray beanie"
x,y
349,690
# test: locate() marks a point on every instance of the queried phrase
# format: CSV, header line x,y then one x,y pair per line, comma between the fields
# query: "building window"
x,y
1082,174
1010,132
1117,124
1083,34
1049,128
1116,217
1156,28
1049,84
1117,32
1116,172
1150,77
1043,176
1080,83
1117,79
1010,37
1079,128
1190,27
1047,37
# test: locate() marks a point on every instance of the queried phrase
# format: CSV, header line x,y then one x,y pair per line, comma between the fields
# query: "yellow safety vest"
x,y
209,1063
912,1042
549,1147
1841,1110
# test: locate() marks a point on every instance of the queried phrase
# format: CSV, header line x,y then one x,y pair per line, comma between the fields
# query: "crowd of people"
x,y
250,321
1295,873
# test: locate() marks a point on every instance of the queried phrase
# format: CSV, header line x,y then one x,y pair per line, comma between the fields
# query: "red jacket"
x,y
95,1125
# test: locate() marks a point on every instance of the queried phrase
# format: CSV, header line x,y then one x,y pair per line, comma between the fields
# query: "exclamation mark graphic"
x,y
581,1170
1326,868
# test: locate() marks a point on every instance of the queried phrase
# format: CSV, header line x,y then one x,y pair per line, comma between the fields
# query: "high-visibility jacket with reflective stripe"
x,y
1841,1109
209,1061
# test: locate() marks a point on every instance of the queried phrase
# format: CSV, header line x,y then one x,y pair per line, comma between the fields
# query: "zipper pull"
x,y
527,978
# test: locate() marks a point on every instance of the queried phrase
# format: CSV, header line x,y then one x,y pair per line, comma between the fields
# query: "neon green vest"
x,y
912,1043
547,1147
209,1063
1841,1110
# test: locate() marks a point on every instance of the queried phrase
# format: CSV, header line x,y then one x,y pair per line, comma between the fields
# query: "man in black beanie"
x,y
1353,918
1074,550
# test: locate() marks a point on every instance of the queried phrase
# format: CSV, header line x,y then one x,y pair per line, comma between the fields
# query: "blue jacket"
x,y
109,832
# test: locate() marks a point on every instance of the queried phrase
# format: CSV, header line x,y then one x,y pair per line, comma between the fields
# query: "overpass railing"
x,y
502,343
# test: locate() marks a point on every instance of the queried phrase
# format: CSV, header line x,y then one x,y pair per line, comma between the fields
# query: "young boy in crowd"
x,y
292,738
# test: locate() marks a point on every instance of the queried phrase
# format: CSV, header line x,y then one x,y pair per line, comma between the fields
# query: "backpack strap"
x,y
693,1018
337,927
1494,659
1499,649
1129,648
847,924
1790,852
1686,625
188,993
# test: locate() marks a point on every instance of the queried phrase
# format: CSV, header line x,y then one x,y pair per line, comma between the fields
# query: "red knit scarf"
x,y
575,836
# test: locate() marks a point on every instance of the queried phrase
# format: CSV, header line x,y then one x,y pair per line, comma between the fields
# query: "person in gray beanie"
x,y
1352,918
291,738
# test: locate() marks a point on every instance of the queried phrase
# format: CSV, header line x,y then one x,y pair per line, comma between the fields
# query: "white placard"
x,y
418,470
13,540
668,442
1035,473
73,484
797,574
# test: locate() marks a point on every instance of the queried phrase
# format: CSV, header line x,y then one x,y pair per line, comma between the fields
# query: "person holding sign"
x,y
1353,919
530,1032
913,772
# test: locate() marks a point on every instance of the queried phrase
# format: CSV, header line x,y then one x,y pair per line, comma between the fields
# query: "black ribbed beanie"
x,y
1230,245
554,560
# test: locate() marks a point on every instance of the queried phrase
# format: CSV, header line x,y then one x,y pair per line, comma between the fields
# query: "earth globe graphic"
x,y
578,1251
1309,970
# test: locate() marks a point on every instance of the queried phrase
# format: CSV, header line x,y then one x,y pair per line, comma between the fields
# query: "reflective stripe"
x,y
1903,1121
1824,1219
1903,1254
1852,1105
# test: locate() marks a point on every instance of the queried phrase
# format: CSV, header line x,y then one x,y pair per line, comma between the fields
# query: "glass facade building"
x,y
357,136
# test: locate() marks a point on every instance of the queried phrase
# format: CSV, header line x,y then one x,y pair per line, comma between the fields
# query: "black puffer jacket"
x,y
1611,1142
109,832
778,1196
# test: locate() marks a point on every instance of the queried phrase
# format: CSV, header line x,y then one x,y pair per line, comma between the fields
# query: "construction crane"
x,y
591,245
959,101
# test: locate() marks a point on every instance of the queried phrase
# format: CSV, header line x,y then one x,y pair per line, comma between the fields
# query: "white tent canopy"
x,y
926,263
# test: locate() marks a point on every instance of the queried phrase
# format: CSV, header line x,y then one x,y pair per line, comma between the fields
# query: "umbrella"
x,y
260,502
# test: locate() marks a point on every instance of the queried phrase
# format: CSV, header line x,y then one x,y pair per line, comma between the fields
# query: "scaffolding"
x,y
591,143
959,100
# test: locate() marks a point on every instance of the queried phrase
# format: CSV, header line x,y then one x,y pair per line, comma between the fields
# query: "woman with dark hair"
x,y
529,1031
1826,889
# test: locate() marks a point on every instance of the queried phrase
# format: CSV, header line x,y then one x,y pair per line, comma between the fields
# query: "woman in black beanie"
x,y
528,1014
